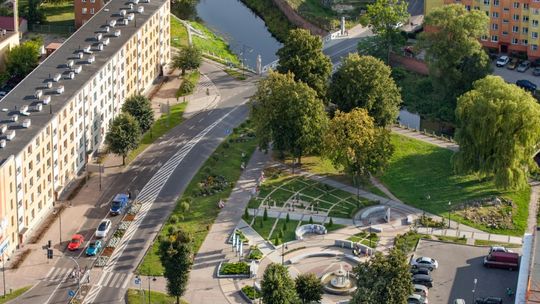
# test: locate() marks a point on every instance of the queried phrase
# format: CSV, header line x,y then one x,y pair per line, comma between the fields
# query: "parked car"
x,y
526,85
425,262
103,228
536,71
498,249
513,64
422,279
419,270
524,66
535,63
94,248
505,260
421,290
489,300
76,242
502,61
119,203
417,299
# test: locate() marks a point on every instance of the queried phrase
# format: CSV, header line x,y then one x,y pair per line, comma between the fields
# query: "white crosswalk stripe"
x,y
118,280
57,274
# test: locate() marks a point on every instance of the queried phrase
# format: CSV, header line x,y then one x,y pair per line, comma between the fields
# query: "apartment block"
x,y
85,9
57,117
513,27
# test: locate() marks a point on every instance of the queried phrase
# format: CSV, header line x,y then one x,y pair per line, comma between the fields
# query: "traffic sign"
x,y
228,131
71,293
137,281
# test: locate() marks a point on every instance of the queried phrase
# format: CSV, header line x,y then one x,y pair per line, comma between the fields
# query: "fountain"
x,y
339,282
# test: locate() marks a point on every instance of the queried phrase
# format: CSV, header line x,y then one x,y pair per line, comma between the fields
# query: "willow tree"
x,y
498,132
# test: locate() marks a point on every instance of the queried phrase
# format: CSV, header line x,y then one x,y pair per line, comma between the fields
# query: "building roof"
x,y
24,93
53,46
6,22
534,279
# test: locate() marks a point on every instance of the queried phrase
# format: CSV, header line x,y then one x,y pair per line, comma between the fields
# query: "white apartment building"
x,y
59,114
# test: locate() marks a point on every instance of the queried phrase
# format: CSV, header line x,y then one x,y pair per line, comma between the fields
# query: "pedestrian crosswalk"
x,y
107,278
57,274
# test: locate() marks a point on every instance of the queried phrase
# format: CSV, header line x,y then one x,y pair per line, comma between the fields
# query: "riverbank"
x,y
275,20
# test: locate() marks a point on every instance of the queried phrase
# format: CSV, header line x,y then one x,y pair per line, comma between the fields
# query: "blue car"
x,y
119,203
93,248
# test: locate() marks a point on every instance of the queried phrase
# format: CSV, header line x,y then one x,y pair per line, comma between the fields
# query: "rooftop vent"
x,y
130,16
123,13
46,100
49,84
106,28
112,23
145,1
100,47
24,110
3,128
80,55
140,9
69,63
38,107
38,94
106,41
125,21
131,6
87,49
10,135
134,1
14,118
4,110
91,59
60,89
57,77
78,69
117,33
26,123
99,36
71,75
2,143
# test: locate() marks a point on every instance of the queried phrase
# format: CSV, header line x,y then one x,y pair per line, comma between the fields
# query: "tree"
x,y
354,143
34,14
288,114
383,279
175,254
366,82
140,108
277,287
184,9
308,287
188,58
498,132
454,55
123,136
24,58
302,55
385,18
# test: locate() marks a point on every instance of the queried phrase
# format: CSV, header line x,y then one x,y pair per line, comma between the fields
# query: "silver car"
x,y
103,228
523,66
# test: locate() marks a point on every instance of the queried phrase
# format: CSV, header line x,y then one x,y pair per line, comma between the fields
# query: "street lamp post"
x,y
153,279
78,274
283,247
449,212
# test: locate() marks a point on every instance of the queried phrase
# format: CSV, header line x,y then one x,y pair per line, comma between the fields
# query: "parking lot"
x,y
511,76
459,265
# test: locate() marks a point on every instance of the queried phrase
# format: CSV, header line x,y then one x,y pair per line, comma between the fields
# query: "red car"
x,y
76,242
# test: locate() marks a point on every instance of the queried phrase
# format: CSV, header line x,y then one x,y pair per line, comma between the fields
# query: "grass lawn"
x,y
492,243
364,238
179,34
225,161
264,230
134,297
315,12
235,74
408,241
418,169
161,126
192,79
59,14
13,295
451,239
213,44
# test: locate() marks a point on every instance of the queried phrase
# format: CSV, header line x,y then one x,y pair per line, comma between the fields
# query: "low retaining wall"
x,y
352,245
309,228
298,20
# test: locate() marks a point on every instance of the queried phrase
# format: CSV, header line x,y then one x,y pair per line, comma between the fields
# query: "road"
x,y
161,174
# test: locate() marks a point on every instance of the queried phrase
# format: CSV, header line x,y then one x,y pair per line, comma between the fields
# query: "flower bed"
x,y
134,209
212,184
250,293
115,241
107,252
101,261
238,234
254,253
124,225
238,268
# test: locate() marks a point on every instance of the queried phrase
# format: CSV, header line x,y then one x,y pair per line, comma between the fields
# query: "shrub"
x,y
234,268
265,214
330,223
174,219
251,292
287,219
311,220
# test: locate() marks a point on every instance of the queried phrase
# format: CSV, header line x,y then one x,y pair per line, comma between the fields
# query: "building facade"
x,y
53,120
513,27
85,9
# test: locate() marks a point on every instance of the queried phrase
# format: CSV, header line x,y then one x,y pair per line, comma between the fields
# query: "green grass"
x,y
188,84
235,74
134,297
364,238
234,268
225,161
61,14
452,239
315,12
408,241
213,44
492,243
418,169
179,34
14,294
263,231
161,126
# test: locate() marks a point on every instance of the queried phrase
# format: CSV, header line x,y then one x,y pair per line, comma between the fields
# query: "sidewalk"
x,y
471,235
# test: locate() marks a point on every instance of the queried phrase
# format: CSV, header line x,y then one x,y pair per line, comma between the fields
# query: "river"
x,y
245,32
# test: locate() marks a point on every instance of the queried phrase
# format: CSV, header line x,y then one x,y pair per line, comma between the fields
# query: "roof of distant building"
x,y
6,22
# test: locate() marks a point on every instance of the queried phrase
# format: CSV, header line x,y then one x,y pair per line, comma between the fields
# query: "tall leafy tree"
x,y
354,143
288,114
302,55
24,58
176,256
140,108
383,279
498,132
123,136
33,13
454,55
309,288
366,82
277,287
184,9
188,58
384,17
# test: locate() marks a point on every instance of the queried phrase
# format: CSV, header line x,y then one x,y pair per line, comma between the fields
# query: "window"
x,y
516,4
525,6
535,23
515,17
536,11
92,11
534,35
505,21
84,10
505,33
534,47
506,9
526,18
494,38
515,29
495,2
494,26
524,41
495,14
525,30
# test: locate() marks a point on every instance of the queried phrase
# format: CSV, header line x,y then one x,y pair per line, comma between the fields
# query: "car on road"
x,y
513,64
526,85
536,71
425,262
103,228
498,249
76,242
94,248
421,290
419,270
417,299
524,66
422,279
119,203
502,61
489,300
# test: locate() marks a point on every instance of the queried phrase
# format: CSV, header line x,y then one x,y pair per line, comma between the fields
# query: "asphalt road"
x,y
165,170
342,49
